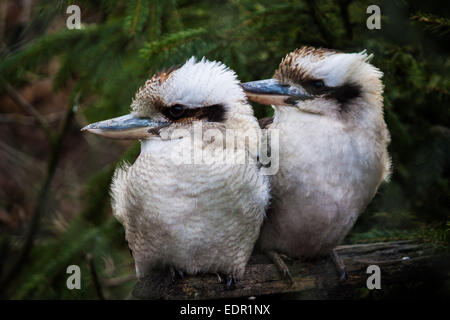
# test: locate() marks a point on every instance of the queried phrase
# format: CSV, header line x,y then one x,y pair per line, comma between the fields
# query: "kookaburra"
x,y
199,216
332,149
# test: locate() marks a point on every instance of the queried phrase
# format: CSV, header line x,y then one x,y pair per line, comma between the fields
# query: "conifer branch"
x,y
343,10
41,204
133,28
320,25
29,108
435,24
94,276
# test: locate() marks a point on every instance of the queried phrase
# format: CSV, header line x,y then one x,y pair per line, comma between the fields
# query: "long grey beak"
x,y
127,127
271,92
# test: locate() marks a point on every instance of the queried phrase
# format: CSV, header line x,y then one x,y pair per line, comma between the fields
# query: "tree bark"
x,y
399,261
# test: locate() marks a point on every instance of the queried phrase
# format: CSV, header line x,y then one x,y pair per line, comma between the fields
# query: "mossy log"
x,y
399,261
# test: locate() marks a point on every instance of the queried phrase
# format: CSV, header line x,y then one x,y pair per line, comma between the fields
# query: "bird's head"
x,y
322,82
206,91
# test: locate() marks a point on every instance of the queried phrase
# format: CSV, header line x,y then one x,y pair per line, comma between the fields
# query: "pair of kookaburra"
x,y
208,216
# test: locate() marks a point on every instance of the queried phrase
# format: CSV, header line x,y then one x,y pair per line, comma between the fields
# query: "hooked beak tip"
x,y
125,127
250,87
88,128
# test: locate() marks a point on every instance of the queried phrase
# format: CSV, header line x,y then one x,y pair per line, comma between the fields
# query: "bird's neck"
x,y
285,114
240,137
157,145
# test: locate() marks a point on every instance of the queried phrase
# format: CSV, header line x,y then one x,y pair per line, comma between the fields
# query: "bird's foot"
x,y
285,257
176,274
279,263
231,282
228,280
339,264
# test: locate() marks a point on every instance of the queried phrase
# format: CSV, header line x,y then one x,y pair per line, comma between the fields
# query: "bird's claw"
x,y
176,274
287,274
339,264
282,267
231,282
285,257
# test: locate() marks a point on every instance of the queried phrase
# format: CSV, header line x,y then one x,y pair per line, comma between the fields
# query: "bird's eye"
x,y
177,110
318,84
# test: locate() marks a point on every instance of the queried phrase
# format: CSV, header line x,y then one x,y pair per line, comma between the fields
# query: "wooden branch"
x,y
397,260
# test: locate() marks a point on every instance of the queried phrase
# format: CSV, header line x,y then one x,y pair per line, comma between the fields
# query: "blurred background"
x,y
54,198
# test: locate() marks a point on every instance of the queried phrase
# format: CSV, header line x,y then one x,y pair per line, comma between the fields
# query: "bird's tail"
x,y
154,285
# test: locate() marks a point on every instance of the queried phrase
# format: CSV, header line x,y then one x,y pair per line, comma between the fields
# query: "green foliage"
x,y
433,23
176,39
107,60
46,263
136,17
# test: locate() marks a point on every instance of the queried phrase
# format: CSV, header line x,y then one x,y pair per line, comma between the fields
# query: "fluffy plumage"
x,y
333,151
201,217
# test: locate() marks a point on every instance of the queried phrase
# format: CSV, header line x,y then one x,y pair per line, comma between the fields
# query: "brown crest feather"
x,y
287,69
164,74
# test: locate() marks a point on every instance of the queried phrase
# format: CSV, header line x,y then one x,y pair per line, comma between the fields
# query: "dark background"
x,y
54,202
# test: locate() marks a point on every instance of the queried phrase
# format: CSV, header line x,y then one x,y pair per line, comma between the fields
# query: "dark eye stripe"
x,y
343,94
212,113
